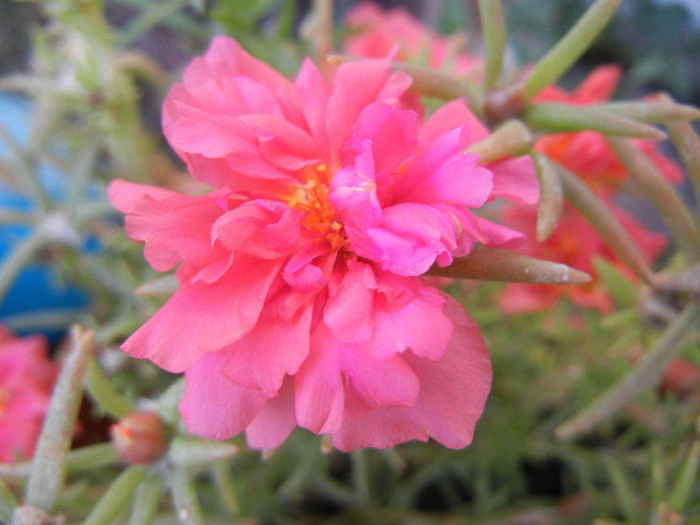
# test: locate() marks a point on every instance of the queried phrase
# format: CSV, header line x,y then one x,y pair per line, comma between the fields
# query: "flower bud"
x,y
138,437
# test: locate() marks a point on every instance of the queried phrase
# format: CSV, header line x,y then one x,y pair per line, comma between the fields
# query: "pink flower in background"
x,y
375,33
587,153
574,243
26,381
300,299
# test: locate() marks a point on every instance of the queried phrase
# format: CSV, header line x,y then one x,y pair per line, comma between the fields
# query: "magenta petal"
x,y
515,180
275,421
412,237
389,382
309,269
262,228
125,195
454,388
205,317
442,173
319,392
349,312
450,116
213,406
382,428
175,229
453,392
421,327
273,348
313,96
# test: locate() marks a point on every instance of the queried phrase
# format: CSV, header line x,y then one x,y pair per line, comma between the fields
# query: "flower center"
x,y
320,217
3,399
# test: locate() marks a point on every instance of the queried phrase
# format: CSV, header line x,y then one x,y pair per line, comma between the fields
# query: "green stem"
x,y
645,373
49,464
117,496
494,30
568,50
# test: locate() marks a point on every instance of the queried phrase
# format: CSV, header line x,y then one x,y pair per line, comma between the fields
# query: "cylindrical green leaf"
x,y
91,457
193,452
187,507
553,117
104,394
659,192
623,489
48,466
433,83
494,30
118,495
505,265
551,197
323,11
687,144
511,139
605,223
651,112
568,50
685,483
147,500
645,373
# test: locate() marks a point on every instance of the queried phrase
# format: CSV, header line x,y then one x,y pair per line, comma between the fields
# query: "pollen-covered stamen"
x,y
320,218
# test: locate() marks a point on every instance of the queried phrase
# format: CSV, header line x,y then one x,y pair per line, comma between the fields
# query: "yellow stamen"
x,y
320,217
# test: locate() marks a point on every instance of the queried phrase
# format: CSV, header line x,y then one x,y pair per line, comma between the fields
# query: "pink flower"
x,y
300,299
376,33
587,153
26,380
577,244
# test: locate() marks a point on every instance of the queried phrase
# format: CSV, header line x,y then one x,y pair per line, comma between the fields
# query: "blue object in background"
x,y
36,302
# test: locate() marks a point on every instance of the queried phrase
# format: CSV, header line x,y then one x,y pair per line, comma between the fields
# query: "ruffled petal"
x,y
205,317
453,392
275,421
214,406
273,348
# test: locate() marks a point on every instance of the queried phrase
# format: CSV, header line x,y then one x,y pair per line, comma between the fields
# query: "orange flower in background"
x,y
574,243
587,153
26,381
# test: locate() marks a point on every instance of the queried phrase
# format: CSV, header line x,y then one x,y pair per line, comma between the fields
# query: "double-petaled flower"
x,y
300,297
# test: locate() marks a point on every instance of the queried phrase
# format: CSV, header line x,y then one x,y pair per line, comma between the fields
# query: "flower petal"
x,y
212,405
